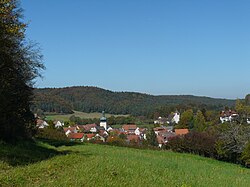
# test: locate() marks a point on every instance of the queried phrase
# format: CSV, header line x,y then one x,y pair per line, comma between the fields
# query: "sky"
x,y
163,47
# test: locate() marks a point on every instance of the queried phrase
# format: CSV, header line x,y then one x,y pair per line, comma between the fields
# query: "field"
x,y
101,165
65,117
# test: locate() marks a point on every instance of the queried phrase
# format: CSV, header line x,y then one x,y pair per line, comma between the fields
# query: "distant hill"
x,y
94,99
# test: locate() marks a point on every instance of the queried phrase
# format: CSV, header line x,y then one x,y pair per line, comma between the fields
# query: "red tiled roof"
x,y
76,135
181,131
90,135
129,127
161,129
87,127
133,137
228,113
69,128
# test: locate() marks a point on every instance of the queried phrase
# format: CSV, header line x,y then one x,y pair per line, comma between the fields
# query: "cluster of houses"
x,y
173,118
130,132
230,116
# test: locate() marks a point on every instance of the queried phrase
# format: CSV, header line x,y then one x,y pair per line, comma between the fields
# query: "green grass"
x,y
100,165
65,117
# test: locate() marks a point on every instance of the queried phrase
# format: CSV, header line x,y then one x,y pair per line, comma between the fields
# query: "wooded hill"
x,y
94,99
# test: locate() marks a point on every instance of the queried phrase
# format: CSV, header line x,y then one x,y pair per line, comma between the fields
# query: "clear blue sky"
x,y
198,47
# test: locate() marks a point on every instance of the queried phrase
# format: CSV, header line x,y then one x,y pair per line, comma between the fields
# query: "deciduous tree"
x,y
20,63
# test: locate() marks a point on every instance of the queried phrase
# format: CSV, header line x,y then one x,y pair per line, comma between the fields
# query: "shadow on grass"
x,y
25,153
58,143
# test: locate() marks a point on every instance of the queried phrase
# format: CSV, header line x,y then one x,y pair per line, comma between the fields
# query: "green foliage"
x,y
199,122
232,140
51,134
152,138
93,99
186,120
245,156
115,140
201,143
20,63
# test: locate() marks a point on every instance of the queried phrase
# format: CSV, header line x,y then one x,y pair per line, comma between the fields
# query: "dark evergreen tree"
x,y
152,138
20,62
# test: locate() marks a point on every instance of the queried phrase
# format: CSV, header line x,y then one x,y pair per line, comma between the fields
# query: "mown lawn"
x,y
101,165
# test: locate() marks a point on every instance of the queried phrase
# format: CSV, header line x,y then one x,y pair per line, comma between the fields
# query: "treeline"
x,y
93,99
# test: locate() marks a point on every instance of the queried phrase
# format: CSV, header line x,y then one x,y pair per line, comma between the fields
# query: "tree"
x,y
20,64
199,122
233,139
186,120
243,109
152,138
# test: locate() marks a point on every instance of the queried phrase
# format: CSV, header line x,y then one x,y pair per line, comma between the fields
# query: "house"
x,y
137,131
89,136
161,121
69,130
180,132
59,124
41,124
76,136
129,128
160,141
133,138
109,129
228,116
164,136
160,129
99,137
87,128
176,118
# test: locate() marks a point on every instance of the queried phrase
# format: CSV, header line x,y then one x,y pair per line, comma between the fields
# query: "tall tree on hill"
x,y
20,63
199,122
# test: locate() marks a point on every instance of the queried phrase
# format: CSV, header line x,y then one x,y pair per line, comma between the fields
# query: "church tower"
x,y
103,121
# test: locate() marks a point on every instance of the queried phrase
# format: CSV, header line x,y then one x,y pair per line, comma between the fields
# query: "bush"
x,y
245,156
200,143
115,140
51,134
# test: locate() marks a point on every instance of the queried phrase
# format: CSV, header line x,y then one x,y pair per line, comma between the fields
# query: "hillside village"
x,y
131,133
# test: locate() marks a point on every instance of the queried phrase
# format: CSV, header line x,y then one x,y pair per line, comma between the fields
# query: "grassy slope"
x,y
99,165
79,114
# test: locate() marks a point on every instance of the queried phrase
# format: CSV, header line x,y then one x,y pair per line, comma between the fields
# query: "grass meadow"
x,y
102,165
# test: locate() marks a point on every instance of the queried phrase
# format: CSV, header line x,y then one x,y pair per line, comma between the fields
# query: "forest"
x,y
94,99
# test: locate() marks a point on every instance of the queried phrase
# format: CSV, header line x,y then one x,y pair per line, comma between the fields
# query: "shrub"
x,y
245,156
115,140
200,143
51,134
